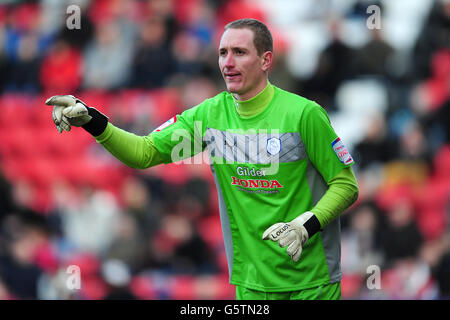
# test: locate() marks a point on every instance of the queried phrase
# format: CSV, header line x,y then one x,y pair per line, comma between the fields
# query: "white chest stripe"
x,y
256,148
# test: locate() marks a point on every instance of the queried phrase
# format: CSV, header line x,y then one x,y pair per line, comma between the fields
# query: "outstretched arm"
x,y
134,151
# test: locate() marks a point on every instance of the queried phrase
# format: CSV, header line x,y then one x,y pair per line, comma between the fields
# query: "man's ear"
x,y
266,60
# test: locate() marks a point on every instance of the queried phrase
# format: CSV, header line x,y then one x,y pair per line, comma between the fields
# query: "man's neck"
x,y
256,104
252,93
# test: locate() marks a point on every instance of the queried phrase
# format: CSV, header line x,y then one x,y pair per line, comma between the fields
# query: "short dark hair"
x,y
262,38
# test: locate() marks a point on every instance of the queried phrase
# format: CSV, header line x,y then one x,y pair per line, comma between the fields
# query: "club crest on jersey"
x,y
166,124
341,151
273,146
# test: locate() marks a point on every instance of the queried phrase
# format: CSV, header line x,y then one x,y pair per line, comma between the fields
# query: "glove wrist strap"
x,y
97,124
312,225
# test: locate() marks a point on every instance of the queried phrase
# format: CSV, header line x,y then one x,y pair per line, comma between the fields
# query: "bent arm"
x,y
135,151
342,193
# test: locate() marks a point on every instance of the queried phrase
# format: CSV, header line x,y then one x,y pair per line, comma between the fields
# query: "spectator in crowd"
x,y
138,222
377,147
22,233
443,275
107,59
188,50
24,73
7,202
435,253
376,57
195,89
81,37
177,247
153,63
128,244
438,123
361,239
117,275
413,145
401,238
281,73
89,224
4,292
61,68
335,65
434,36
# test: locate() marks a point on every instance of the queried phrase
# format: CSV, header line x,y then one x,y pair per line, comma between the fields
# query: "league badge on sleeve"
x,y
166,124
341,151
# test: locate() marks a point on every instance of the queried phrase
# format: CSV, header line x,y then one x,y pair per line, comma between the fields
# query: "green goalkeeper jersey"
x,y
268,168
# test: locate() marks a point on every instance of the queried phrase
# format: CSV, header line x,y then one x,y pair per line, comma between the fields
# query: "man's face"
x,y
241,67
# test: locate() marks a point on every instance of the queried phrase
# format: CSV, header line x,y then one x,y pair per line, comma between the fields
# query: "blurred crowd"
x,y
155,233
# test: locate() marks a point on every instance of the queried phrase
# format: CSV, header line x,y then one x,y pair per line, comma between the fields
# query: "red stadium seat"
x,y
213,287
351,284
14,111
182,288
93,288
441,162
40,113
97,99
432,204
211,230
167,103
19,143
142,288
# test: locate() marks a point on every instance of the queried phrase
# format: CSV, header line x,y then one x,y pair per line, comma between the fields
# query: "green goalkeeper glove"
x,y
294,234
69,111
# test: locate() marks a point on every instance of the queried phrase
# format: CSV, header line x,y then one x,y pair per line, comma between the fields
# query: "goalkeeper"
x,y
283,176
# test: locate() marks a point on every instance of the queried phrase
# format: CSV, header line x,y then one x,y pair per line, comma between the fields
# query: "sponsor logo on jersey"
x,y
245,171
341,151
255,183
166,124
273,146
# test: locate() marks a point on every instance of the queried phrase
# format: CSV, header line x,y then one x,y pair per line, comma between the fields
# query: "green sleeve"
x,y
319,137
182,138
135,151
342,192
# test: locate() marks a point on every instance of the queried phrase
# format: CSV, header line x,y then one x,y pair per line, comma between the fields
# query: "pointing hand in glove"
x,y
69,111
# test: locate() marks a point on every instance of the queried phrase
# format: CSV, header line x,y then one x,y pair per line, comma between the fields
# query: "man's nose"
x,y
229,60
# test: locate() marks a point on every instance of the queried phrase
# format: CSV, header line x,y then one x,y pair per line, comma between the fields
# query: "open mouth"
x,y
232,76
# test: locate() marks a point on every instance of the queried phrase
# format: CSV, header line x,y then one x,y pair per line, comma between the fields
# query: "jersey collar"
x,y
255,105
